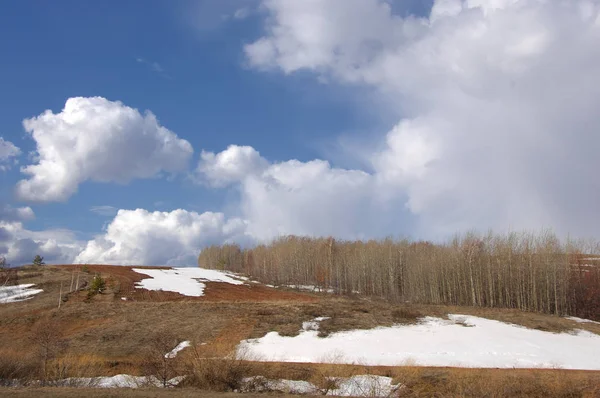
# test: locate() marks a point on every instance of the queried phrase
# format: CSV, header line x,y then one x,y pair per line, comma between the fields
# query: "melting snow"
x,y
119,381
364,386
462,341
314,324
355,386
185,281
175,350
581,320
11,294
311,288
262,384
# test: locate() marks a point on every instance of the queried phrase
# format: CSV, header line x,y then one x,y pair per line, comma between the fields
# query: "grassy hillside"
x,y
115,332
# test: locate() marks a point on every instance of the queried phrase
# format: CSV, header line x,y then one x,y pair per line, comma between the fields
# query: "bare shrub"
x,y
17,368
49,344
76,371
210,372
156,359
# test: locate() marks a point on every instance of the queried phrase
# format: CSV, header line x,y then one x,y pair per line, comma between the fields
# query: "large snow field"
x,y
461,341
185,281
11,294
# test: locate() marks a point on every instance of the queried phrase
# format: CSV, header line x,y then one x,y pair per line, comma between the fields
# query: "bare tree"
x,y
8,275
157,358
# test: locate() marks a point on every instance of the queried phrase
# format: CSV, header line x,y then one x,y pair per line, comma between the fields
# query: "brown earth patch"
x,y
121,282
218,291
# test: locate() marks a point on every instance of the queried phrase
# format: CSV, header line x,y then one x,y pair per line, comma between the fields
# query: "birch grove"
x,y
526,271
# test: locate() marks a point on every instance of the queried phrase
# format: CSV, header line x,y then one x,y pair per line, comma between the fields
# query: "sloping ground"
x,y
109,334
125,282
104,335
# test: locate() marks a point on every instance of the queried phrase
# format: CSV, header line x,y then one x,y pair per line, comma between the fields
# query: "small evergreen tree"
x,y
98,285
38,260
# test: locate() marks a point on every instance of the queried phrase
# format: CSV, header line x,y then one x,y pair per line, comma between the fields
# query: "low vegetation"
x,y
106,336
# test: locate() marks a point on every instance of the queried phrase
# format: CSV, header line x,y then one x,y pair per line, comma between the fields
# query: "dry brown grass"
x,y
107,335
449,382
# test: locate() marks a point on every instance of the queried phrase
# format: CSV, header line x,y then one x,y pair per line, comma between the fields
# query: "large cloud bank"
x,y
496,103
99,140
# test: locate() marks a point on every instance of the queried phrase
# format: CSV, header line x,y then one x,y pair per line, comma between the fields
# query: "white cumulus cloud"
x,y
98,140
496,106
302,198
140,237
230,166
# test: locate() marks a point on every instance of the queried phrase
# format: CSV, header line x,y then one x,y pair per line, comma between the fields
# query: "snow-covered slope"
x,y
185,281
11,294
461,341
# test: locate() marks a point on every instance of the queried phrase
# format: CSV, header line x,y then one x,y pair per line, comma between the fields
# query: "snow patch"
x,y
12,294
355,386
174,351
185,281
364,386
314,324
460,341
311,288
262,384
581,320
119,381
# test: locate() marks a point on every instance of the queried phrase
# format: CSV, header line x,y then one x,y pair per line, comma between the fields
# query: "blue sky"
x,y
205,94
351,118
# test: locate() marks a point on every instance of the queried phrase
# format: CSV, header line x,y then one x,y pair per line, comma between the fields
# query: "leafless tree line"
x,y
527,271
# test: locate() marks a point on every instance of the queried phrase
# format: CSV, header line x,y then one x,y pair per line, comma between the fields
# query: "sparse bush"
x,y
157,362
211,372
16,366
